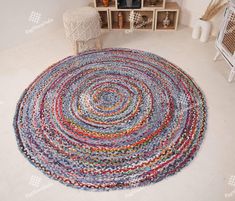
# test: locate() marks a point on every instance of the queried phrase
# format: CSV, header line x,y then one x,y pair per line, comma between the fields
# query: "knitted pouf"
x,y
81,26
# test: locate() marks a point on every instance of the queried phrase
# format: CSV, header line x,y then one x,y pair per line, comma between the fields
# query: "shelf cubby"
x,y
104,16
149,4
146,22
172,9
114,19
122,4
99,4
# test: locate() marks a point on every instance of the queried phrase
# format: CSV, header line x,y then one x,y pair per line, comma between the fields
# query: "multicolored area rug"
x,y
112,119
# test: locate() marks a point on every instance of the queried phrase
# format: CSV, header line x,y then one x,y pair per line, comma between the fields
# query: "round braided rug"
x,y
111,119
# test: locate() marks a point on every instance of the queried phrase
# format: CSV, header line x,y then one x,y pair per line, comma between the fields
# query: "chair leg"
x,y
216,56
231,75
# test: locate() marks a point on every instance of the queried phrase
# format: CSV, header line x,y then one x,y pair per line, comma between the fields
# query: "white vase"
x,y
202,30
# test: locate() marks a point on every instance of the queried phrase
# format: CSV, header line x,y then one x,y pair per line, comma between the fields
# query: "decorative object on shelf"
x,y
111,119
105,3
153,2
144,20
82,28
225,42
202,27
103,19
166,22
129,3
155,14
140,20
135,17
120,20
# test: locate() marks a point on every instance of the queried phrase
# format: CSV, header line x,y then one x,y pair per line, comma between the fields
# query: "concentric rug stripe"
x,y
111,119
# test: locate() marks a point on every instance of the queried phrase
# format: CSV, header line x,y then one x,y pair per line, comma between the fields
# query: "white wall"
x,y
14,18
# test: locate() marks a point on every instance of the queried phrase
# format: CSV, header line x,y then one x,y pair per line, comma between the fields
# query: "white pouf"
x,y
82,28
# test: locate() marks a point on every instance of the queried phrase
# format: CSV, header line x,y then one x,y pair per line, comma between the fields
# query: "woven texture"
x,y
111,119
82,24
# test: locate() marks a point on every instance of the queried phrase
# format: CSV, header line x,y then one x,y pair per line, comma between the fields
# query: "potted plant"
x,y
202,28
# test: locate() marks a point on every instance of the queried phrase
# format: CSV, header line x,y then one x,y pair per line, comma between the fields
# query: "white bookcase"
x,y
156,12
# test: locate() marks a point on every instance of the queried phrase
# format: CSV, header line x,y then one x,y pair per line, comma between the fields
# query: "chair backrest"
x,y
226,38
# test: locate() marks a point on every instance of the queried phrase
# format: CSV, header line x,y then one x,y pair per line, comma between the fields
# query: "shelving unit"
x,y
104,16
114,18
154,14
173,10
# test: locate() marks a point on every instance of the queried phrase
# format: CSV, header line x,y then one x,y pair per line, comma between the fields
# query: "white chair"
x,y
225,42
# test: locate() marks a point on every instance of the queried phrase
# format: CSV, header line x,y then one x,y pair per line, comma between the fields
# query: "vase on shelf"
x,y
202,30
120,20
105,3
166,22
